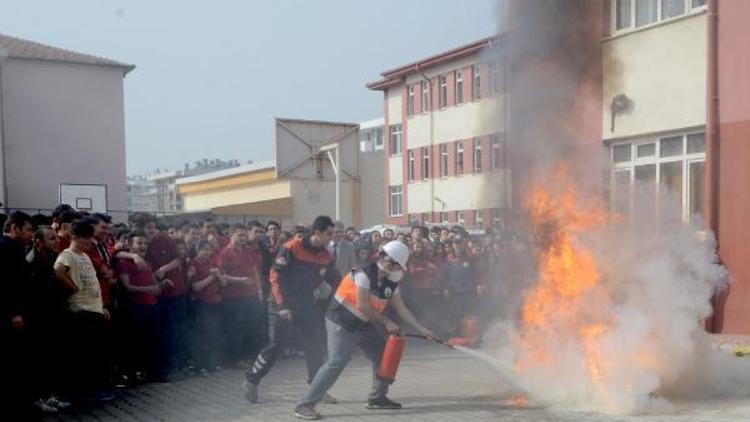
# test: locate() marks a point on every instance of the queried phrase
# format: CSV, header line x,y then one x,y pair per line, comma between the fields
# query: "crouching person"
x,y
359,304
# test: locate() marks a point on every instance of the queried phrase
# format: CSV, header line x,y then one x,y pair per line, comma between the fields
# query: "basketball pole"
x,y
335,163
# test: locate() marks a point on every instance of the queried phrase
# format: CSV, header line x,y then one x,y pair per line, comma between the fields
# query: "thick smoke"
x,y
657,274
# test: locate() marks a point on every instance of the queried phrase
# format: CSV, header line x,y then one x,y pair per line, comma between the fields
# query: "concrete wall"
x,y
393,102
734,162
64,123
372,173
662,69
464,121
467,192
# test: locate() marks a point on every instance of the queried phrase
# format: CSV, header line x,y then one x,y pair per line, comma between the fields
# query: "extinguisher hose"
x,y
424,337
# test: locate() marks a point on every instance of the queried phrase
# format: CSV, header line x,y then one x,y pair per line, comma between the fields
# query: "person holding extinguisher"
x,y
352,321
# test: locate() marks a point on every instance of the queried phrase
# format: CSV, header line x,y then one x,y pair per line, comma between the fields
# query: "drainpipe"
x,y
432,142
712,119
714,323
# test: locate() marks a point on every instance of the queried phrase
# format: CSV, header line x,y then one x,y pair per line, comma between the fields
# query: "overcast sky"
x,y
212,75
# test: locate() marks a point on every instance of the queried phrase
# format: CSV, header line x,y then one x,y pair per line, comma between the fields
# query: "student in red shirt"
x,y
100,256
204,279
174,306
241,263
144,289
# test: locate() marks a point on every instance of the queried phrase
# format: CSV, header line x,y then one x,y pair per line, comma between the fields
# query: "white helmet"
x,y
398,252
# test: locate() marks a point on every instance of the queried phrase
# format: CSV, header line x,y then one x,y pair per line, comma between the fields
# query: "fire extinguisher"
x,y
394,349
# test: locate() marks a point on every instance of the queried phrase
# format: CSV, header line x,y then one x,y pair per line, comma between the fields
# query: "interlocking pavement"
x,y
435,384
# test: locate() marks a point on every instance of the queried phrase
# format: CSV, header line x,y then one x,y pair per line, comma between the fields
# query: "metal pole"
x,y
337,172
4,172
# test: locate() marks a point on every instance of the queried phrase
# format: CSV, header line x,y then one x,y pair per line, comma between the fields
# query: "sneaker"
x,y
43,407
306,412
328,399
251,391
56,402
383,403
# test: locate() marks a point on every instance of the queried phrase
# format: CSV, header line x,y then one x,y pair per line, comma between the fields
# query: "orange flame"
x,y
568,302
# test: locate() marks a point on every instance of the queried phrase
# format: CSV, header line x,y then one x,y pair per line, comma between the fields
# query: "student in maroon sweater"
x,y
204,278
144,290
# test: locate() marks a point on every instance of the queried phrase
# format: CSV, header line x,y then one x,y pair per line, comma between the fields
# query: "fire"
x,y
517,401
569,305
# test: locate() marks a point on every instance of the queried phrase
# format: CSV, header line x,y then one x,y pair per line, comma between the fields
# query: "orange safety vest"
x,y
381,291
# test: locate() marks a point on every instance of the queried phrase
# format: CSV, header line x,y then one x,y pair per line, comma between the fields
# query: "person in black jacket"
x,y
14,310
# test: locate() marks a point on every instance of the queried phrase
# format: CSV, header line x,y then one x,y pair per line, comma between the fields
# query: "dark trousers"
x,y
242,322
147,325
206,334
90,357
307,326
16,382
176,344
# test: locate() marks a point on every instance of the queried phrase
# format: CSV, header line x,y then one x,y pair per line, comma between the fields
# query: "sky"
x,y
211,76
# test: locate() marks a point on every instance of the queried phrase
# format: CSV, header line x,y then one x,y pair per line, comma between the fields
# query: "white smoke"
x,y
659,273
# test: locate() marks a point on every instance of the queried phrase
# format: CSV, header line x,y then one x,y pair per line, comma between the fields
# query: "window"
x,y
396,205
412,163
623,10
497,152
443,91
497,84
395,139
425,163
459,158
672,8
410,101
425,96
629,14
443,160
459,86
477,155
478,218
674,164
460,218
378,138
497,217
476,86
443,217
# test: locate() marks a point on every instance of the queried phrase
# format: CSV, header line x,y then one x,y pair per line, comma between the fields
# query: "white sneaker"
x,y
44,407
56,402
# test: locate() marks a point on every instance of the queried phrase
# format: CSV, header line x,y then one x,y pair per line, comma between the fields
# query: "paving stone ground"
x,y
435,384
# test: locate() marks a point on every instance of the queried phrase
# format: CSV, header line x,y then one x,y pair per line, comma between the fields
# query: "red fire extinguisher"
x,y
394,349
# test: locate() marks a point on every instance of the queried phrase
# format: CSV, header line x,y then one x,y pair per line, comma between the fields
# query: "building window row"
x,y
444,88
628,14
645,172
395,139
445,167
395,201
460,217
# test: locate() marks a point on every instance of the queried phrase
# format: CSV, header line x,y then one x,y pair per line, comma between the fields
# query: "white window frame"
x,y
635,161
442,91
460,219
459,159
497,77
476,82
425,163
477,154
496,148
410,101
395,201
688,10
411,166
378,142
497,217
425,96
443,148
478,218
444,218
395,140
458,86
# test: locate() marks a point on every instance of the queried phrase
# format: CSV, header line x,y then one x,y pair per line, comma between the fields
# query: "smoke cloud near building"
x,y
610,319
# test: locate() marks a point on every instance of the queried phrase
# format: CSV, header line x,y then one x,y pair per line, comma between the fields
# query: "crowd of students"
x,y
89,306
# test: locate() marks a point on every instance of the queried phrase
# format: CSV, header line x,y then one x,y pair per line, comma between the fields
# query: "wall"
x,y
372,174
262,191
313,198
470,191
463,121
662,69
734,161
64,123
